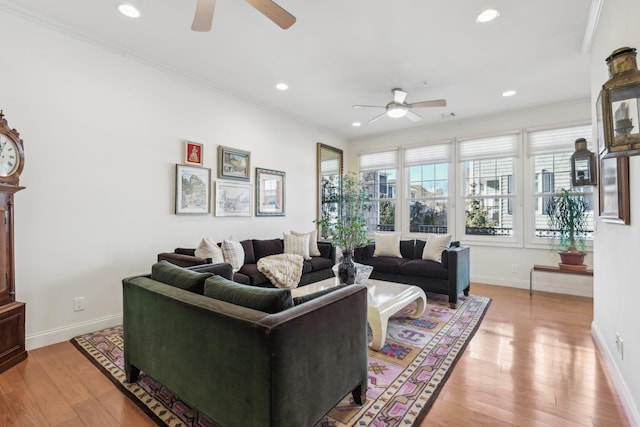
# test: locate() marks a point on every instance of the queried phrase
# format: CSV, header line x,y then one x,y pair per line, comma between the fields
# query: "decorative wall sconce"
x,y
583,165
620,104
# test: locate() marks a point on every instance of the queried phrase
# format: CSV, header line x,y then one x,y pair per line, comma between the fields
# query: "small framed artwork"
x,y
614,190
193,190
270,192
193,153
233,164
233,198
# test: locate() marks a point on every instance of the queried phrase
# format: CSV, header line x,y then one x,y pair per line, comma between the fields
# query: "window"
x,y
428,188
550,153
378,173
487,166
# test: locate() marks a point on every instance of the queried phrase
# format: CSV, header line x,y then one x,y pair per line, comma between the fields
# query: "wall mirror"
x,y
330,167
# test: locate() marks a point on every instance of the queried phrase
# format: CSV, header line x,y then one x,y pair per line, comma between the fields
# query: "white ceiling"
x,y
345,52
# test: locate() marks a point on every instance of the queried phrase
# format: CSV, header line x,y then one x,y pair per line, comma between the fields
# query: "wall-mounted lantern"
x,y
583,165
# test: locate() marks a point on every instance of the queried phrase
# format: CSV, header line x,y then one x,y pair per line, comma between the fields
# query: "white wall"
x,y
102,136
616,284
491,264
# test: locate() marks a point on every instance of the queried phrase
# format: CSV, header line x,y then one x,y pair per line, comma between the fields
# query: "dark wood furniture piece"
x,y
555,269
12,313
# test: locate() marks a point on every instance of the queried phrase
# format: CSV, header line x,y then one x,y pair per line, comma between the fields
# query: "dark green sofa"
x,y
240,366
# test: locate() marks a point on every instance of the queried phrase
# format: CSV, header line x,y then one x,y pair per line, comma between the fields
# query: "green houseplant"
x,y
568,217
347,226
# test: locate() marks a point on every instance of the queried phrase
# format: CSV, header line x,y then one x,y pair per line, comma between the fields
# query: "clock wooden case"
x,y
12,312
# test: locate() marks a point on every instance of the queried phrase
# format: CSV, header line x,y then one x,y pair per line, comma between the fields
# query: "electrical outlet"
x,y
514,268
78,304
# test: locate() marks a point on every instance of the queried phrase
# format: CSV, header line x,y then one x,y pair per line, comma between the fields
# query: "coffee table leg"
x,y
378,330
421,304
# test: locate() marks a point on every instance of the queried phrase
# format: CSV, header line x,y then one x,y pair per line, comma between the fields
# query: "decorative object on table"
x,y
270,192
12,313
583,165
567,216
614,190
193,190
193,153
233,163
362,272
405,375
350,231
233,198
620,104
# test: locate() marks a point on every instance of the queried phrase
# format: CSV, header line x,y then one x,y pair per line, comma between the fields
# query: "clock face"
x,y
9,157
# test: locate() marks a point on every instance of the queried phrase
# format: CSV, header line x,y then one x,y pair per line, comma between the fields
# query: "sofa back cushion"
x,y
406,248
263,248
179,277
257,298
308,297
249,256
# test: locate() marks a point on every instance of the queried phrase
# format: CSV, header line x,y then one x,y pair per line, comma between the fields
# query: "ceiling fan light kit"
x,y
396,110
399,108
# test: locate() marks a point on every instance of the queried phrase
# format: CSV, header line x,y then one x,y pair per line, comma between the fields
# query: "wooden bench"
x,y
555,269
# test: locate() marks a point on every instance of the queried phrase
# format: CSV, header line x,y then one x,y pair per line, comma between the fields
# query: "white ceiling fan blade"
x,y
413,116
204,15
377,117
399,95
368,106
434,103
273,11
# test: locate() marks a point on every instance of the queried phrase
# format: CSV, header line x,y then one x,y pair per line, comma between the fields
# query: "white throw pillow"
x,y
387,244
297,245
313,241
209,249
233,253
436,243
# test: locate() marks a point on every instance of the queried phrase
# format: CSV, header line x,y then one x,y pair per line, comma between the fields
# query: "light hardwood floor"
x,y
532,362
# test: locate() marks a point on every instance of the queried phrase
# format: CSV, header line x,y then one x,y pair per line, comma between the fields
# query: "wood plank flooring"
x,y
532,362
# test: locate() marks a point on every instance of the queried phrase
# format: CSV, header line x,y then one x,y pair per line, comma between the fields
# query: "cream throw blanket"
x,y
284,270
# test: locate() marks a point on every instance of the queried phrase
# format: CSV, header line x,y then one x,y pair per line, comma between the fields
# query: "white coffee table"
x,y
384,299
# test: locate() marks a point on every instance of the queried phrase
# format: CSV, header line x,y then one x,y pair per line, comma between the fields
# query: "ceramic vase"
x,y
347,269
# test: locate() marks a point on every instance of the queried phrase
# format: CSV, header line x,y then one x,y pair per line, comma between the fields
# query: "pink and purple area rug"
x,y
405,377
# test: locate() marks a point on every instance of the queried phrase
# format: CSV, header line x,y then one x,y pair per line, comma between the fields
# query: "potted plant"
x,y
567,215
349,231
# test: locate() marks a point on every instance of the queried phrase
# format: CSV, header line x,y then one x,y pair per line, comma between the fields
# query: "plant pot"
x,y
572,260
347,269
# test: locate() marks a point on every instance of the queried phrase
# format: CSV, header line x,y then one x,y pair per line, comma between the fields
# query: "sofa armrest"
x,y
459,264
182,259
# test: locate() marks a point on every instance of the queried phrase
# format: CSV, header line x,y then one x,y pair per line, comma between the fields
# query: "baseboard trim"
x,y
626,398
54,336
544,287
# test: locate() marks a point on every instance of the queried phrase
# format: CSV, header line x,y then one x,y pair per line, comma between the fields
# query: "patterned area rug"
x,y
405,377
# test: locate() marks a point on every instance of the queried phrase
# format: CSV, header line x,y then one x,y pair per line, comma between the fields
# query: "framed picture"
x,y
193,153
233,164
193,190
614,190
233,198
269,192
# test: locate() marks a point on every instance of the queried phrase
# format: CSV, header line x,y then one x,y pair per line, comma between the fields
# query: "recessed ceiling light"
x,y
356,124
507,93
129,10
487,15
282,86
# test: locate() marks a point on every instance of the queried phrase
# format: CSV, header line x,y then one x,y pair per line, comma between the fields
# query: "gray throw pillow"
x,y
262,299
179,277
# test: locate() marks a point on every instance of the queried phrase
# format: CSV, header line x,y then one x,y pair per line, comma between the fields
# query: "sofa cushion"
x,y
387,244
249,256
318,263
424,268
208,248
233,253
179,277
385,264
436,243
262,248
406,248
262,299
296,245
308,297
307,267
254,276
313,241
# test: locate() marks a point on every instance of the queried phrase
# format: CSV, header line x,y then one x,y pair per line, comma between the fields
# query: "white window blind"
x,y
329,167
437,153
382,160
488,148
556,140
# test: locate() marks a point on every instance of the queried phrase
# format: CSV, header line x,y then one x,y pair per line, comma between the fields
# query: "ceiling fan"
x,y
399,108
204,14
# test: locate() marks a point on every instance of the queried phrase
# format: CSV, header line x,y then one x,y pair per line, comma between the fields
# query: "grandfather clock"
x,y
12,346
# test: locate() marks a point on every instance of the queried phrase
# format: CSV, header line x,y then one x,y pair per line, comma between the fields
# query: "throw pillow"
x,y
179,277
297,245
257,298
387,244
436,243
209,249
233,253
313,241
